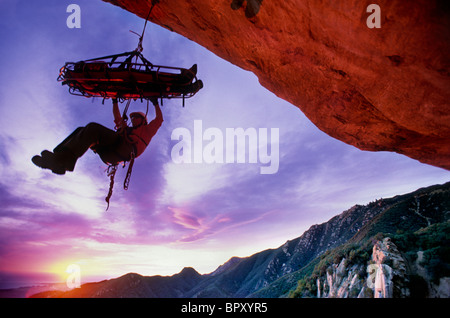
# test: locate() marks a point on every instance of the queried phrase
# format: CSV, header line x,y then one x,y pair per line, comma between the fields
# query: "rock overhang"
x,y
378,89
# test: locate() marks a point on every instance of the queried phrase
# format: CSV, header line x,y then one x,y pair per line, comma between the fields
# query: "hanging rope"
x,y
139,47
111,172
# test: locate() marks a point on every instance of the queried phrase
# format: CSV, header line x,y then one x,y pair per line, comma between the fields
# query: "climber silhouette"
x,y
112,146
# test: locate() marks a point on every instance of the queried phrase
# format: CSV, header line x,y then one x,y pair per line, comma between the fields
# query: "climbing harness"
x,y
128,76
112,168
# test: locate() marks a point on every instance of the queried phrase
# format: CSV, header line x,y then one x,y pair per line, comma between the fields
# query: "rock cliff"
x,y
379,89
377,280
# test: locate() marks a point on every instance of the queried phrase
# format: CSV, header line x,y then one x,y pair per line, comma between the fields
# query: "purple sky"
x,y
173,215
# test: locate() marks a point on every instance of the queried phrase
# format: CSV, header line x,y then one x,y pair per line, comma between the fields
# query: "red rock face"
x,y
379,89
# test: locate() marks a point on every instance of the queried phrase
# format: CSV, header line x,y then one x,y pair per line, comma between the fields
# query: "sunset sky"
x,y
173,215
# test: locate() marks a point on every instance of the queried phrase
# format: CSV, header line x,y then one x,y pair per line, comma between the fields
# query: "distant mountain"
x,y
299,266
133,285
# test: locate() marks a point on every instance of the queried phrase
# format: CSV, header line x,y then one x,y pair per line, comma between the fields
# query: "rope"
x,y
111,172
139,47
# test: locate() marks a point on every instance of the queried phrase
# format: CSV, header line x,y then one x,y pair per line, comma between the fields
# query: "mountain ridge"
x,y
276,272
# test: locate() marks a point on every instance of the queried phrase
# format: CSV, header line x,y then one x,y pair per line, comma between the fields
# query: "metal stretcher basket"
x,y
107,77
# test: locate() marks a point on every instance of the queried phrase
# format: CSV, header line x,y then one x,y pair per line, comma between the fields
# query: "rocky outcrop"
x,y
340,281
379,89
389,267
386,276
